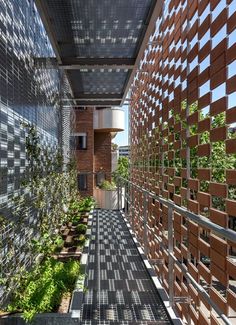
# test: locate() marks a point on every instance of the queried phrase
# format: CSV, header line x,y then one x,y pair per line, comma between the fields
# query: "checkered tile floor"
x,y
119,289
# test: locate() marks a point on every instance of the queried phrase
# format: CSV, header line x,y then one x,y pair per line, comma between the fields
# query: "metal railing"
x,y
200,220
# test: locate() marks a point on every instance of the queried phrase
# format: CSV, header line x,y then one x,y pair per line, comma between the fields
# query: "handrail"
x,y
200,220
197,218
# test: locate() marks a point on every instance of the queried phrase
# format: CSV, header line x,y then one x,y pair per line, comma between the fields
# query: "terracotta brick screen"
x,y
183,148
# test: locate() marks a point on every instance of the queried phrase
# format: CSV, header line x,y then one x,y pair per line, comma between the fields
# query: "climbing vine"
x,y
38,208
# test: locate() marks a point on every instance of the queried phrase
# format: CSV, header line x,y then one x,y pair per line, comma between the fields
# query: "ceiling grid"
x,y
98,45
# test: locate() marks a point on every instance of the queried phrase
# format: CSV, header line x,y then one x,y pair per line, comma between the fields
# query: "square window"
x,y
79,141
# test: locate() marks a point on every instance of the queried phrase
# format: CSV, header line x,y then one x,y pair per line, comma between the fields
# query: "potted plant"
x,y
107,195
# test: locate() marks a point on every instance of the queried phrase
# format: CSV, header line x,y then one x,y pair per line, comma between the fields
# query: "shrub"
x,y
41,289
87,203
47,244
81,229
80,239
122,170
109,186
78,206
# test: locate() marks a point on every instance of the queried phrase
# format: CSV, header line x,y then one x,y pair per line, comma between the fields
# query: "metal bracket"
x,y
140,239
157,261
182,300
46,63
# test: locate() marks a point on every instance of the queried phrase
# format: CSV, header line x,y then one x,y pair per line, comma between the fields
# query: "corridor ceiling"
x,y
99,44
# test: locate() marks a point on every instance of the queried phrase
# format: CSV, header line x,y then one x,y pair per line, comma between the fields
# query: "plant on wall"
x,y
37,208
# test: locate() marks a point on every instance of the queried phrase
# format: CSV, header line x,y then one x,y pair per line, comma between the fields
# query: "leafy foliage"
x,y
77,206
87,203
122,169
47,244
47,187
81,228
114,146
108,186
80,239
41,290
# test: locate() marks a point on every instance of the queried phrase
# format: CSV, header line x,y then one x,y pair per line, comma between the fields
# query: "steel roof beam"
x,y
98,98
90,97
95,66
97,63
76,63
98,103
84,63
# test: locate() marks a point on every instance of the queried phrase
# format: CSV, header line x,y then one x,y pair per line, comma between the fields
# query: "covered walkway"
x,y
119,287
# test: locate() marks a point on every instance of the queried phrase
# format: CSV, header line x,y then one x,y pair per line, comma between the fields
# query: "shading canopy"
x,y
98,43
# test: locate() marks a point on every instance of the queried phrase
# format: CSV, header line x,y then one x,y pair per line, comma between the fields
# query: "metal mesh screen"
x,y
110,29
88,30
101,81
183,147
28,95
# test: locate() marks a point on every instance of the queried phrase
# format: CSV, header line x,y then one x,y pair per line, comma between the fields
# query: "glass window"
x,y
82,182
79,141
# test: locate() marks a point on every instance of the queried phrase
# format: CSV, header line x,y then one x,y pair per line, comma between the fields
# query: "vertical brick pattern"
x,y
183,144
102,153
85,159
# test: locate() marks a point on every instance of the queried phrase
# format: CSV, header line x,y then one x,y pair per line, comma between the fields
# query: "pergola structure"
x,y
99,47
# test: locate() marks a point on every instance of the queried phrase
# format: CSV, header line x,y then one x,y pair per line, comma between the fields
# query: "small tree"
x,y
122,170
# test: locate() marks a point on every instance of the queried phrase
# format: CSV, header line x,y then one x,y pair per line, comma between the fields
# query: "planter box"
x,y
109,199
41,319
69,318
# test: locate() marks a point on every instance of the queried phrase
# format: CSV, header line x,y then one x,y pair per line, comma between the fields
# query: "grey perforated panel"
x,y
119,289
99,81
28,95
104,28
98,29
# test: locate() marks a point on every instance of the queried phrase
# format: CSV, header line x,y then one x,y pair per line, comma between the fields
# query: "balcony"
x,y
109,120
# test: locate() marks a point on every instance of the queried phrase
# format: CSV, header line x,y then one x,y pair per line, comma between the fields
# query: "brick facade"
x,y
97,156
102,146
84,124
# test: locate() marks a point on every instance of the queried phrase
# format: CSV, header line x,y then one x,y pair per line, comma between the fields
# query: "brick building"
x,y
95,128
124,151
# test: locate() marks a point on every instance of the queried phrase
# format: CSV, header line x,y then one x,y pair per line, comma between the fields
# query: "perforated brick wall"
x,y
183,147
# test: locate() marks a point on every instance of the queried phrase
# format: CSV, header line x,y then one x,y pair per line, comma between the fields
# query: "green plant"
x,y
41,290
108,186
47,244
73,213
46,186
87,203
81,229
80,239
114,146
122,170
77,206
